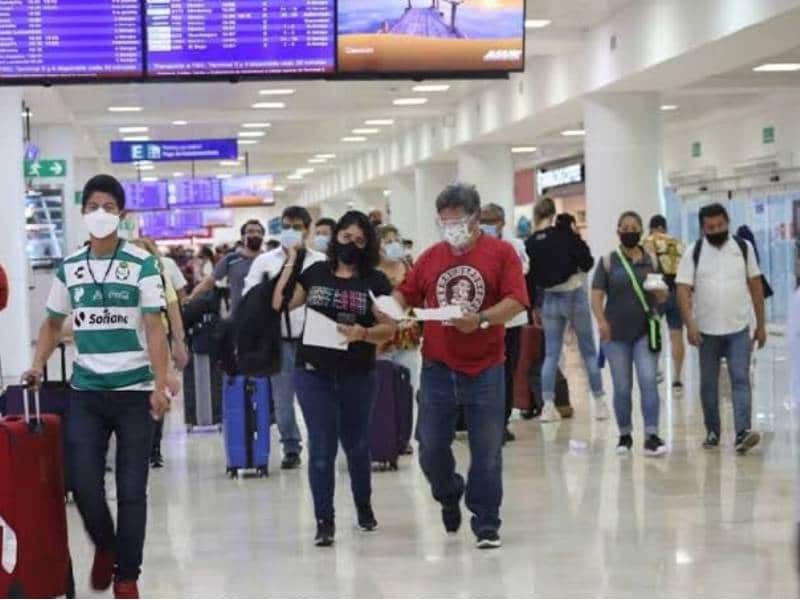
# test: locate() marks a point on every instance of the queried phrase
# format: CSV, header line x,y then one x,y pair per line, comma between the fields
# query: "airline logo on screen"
x,y
503,55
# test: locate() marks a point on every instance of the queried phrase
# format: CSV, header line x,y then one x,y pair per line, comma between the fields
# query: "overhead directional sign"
x,y
222,149
46,167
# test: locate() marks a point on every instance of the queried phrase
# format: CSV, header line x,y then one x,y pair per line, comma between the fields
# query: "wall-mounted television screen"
x,y
187,192
430,36
172,224
216,38
219,217
70,40
145,195
248,190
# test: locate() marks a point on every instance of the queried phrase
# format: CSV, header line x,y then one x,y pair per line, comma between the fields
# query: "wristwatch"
x,y
483,322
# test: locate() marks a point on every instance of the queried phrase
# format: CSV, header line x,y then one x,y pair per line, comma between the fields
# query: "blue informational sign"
x,y
126,152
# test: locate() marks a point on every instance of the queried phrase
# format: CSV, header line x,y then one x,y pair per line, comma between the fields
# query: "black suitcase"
x,y
190,396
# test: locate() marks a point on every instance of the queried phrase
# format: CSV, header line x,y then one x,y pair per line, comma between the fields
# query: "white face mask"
x,y
457,235
100,223
394,251
321,243
291,238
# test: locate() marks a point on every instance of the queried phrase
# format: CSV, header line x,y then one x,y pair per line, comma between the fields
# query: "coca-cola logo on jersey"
x,y
462,286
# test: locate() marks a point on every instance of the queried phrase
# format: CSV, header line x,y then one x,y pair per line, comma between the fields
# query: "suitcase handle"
x,y
36,423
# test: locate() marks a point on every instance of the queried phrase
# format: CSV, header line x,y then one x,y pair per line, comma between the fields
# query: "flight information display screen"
x,y
70,39
195,193
239,37
145,195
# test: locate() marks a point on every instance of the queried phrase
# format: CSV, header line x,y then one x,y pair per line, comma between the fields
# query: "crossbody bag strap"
x,y
635,284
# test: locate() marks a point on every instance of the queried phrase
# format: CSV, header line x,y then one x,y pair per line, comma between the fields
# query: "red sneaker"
x,y
126,589
102,569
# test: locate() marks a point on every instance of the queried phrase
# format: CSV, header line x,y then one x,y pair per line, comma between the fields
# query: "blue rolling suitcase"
x,y
245,423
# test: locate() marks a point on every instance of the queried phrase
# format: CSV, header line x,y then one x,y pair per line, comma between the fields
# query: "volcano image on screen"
x,y
401,36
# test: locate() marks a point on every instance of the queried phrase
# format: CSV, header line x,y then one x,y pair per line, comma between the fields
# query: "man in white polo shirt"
x,y
296,226
719,286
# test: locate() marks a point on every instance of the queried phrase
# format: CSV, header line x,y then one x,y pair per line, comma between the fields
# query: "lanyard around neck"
x,y
102,284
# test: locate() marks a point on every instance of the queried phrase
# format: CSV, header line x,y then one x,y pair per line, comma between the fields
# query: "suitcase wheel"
x,y
232,473
262,472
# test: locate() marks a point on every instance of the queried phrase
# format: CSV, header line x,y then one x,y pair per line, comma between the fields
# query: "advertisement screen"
x,y
248,190
239,37
391,36
70,39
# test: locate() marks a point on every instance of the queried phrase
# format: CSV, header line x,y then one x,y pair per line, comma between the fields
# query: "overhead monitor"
x,y
165,225
430,36
233,38
186,192
248,190
145,195
218,217
46,41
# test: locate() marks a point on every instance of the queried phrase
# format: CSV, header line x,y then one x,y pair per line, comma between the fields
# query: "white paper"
x,y
389,306
443,313
322,332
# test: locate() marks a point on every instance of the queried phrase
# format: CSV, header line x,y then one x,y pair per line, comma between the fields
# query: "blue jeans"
x,y
560,308
93,417
337,406
735,348
283,392
483,399
622,357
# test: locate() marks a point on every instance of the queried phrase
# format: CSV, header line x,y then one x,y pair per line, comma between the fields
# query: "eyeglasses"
x,y
296,227
453,222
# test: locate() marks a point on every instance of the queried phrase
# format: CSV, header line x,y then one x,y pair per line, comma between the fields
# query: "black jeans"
x,y
93,417
512,360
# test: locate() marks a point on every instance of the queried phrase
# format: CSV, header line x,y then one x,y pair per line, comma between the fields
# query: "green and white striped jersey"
x,y
107,317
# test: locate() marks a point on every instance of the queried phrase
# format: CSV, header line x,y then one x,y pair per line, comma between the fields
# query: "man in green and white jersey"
x,y
113,294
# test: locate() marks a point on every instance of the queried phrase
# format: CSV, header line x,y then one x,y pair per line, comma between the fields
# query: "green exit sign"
x,y
768,135
46,167
697,149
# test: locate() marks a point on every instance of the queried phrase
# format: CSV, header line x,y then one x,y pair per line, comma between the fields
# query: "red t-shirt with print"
x,y
490,272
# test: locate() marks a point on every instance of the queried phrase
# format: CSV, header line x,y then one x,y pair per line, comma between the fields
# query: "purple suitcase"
x,y
392,414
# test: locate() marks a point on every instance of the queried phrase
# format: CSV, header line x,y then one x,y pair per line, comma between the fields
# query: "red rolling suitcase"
x,y
34,554
530,354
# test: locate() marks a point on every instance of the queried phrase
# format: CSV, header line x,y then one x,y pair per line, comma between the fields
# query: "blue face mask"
x,y
321,243
394,251
490,230
291,238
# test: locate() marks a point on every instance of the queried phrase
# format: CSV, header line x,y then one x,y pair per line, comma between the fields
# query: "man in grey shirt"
x,y
236,265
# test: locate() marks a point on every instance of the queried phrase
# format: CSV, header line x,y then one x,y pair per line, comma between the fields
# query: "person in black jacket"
x,y
560,260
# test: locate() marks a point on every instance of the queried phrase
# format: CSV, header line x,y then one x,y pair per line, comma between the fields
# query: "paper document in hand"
x,y
443,313
389,306
322,331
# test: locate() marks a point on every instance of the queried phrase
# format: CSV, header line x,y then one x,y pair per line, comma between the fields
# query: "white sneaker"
x,y
601,412
549,414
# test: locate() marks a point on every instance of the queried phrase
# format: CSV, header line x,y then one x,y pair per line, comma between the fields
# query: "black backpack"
x,y
256,328
698,246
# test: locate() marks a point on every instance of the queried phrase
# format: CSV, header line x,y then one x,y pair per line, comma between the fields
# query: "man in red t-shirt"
x,y
464,359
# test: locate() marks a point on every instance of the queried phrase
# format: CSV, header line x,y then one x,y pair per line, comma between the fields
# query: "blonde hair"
x,y
148,245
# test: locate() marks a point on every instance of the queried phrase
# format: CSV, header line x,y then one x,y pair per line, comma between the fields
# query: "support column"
x,y
491,170
623,161
403,205
15,336
429,181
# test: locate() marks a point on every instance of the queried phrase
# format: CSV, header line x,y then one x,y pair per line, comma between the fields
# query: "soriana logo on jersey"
x,y
461,286
102,319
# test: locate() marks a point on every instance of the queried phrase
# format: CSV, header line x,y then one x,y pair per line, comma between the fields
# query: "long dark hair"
x,y
371,255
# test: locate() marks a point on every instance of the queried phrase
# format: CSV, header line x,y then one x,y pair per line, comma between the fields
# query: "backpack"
x,y
256,332
768,291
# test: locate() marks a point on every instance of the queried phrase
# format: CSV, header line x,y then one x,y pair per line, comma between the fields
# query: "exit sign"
x,y
45,167
697,149
768,135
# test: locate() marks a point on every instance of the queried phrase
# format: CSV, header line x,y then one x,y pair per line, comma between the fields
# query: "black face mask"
x,y
630,239
254,243
717,239
348,254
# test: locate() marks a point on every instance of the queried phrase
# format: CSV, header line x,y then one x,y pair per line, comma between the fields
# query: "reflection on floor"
x,y
578,520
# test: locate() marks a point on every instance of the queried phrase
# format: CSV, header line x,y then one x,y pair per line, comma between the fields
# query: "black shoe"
x,y
326,531
366,518
625,444
745,440
156,460
451,513
677,387
291,461
712,441
508,436
654,446
488,539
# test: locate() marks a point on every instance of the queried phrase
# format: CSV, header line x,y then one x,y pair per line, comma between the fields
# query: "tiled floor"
x,y
578,520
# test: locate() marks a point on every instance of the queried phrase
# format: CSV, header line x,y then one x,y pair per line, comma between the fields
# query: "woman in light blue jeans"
x,y
622,322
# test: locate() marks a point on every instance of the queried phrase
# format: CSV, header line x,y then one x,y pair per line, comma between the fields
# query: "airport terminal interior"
x,y
216,113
